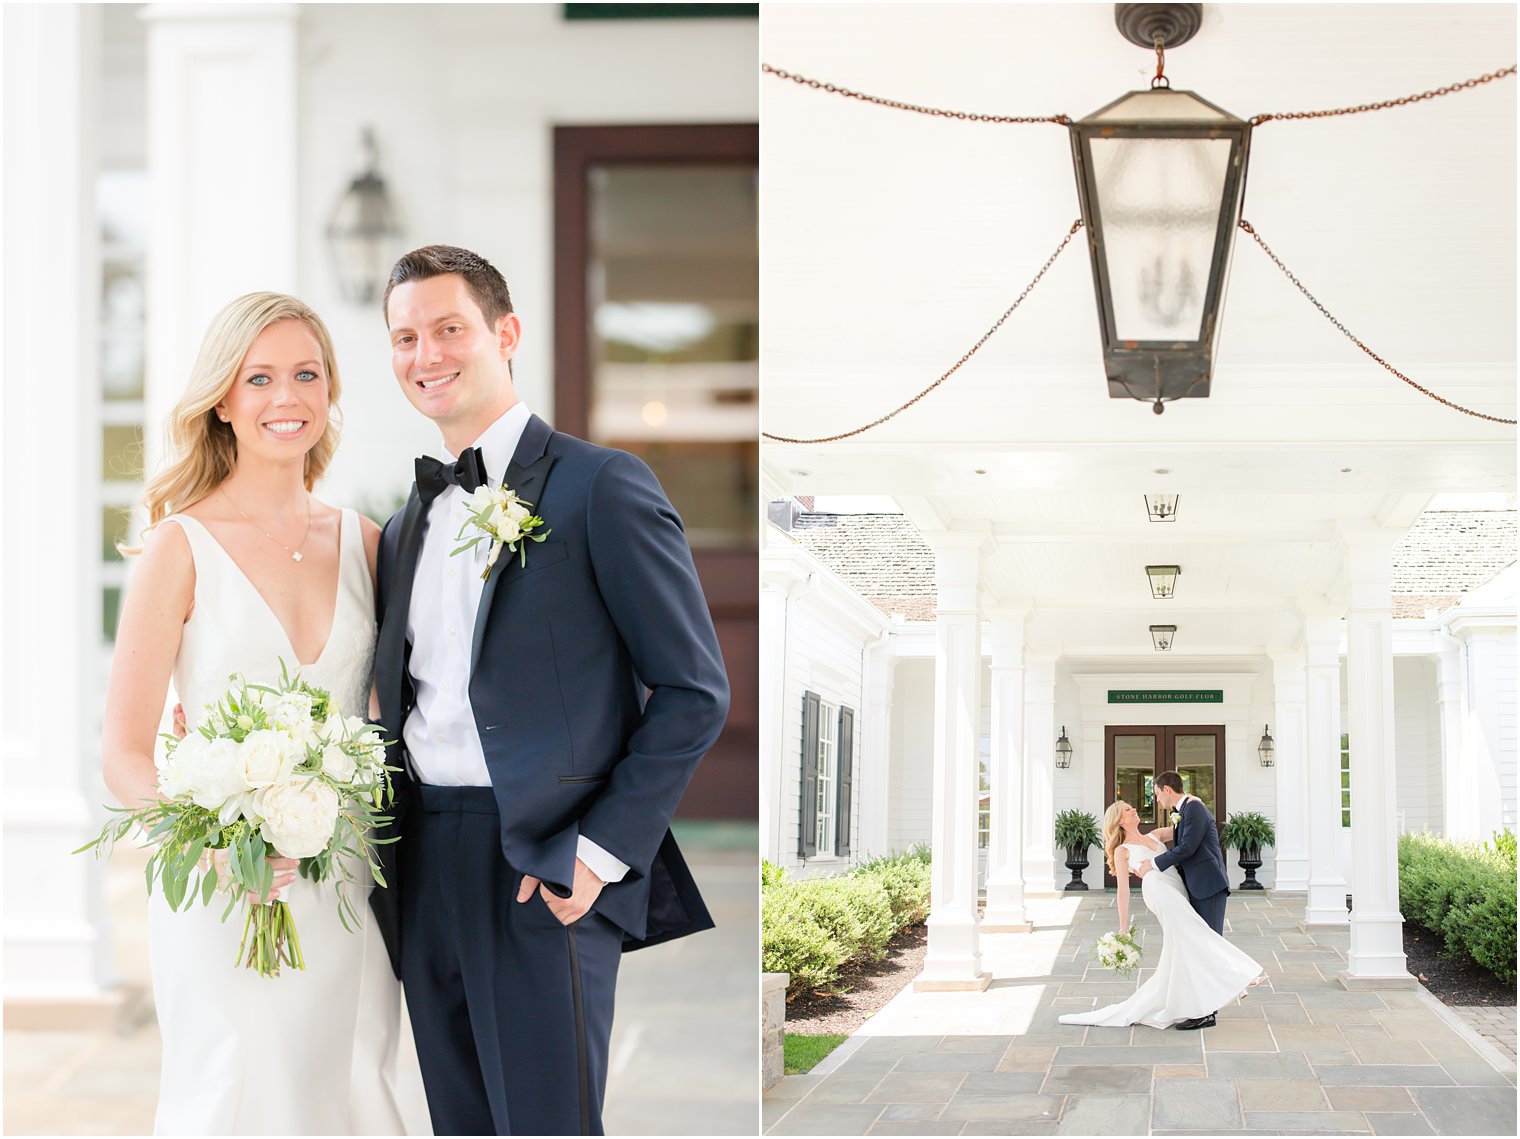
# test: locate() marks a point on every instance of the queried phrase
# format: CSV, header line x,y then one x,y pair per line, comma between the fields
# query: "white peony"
x,y
299,816
480,499
518,512
206,770
292,712
266,758
503,526
338,763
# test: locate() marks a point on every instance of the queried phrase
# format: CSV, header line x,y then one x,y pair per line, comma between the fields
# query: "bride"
x,y
1199,970
254,569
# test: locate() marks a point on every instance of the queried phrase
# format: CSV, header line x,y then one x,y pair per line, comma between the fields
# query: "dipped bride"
x,y
1199,971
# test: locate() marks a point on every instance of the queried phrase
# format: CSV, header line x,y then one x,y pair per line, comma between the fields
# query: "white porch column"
x,y
222,159
1377,927
873,784
780,581
58,968
1005,867
1326,903
1291,735
1457,777
954,959
1040,875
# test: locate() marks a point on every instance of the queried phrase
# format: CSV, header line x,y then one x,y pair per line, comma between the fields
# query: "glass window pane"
x,y
1134,773
110,611
121,453
1196,763
674,298
115,524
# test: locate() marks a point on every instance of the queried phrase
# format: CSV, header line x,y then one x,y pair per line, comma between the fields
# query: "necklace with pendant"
x,y
295,554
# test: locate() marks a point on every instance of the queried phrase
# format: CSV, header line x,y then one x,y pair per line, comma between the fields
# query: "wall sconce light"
x,y
1265,749
1161,175
1162,507
1063,750
1163,580
361,232
1161,637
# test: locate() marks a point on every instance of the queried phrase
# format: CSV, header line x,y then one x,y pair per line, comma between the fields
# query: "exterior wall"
x,y
1417,745
912,795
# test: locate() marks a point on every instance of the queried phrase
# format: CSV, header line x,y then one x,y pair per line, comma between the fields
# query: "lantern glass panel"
x,y
1160,201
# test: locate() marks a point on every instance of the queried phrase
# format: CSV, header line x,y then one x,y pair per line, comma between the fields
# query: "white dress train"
x,y
1198,972
313,1051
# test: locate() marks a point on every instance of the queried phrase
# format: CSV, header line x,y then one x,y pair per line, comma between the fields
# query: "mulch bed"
x,y
1451,979
861,989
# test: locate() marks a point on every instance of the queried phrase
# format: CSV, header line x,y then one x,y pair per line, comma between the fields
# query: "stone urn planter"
x,y
1248,832
1077,832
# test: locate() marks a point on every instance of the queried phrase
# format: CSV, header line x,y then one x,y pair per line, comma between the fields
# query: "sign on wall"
x,y
1166,696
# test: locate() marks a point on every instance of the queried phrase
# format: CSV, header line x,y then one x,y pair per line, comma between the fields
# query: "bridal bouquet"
x,y
1119,952
271,771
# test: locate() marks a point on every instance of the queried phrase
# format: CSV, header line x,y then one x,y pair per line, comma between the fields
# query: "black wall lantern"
x,y
1161,175
1063,750
1265,749
362,232
1163,580
1161,637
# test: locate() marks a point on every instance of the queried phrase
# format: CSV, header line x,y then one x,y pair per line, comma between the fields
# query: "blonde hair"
x,y
1113,831
202,449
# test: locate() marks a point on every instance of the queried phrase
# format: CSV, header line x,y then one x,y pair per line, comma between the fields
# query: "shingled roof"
x,y
883,558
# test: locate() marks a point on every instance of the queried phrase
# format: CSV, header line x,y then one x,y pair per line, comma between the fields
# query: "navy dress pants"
x,y
511,1009
1211,910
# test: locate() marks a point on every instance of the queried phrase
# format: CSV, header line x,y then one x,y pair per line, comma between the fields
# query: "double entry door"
x,y
1134,756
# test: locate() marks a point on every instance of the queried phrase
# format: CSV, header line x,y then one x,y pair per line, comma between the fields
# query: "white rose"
x,y
503,526
291,711
206,770
518,512
299,816
266,758
338,763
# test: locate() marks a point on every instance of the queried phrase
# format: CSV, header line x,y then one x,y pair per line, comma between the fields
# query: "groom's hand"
x,y
1144,868
583,891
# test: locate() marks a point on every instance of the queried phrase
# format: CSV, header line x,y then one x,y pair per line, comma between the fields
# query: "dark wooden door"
x,y
1133,755
657,352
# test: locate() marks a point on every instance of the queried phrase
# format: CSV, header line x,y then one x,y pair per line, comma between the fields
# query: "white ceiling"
x,y
891,242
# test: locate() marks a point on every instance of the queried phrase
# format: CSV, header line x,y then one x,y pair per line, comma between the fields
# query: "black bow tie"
x,y
434,476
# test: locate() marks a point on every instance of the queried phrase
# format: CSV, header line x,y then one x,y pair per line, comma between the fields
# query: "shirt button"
x,y
439,737
453,573
452,631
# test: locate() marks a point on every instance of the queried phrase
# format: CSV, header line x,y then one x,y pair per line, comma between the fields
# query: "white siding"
x,y
912,784
1416,744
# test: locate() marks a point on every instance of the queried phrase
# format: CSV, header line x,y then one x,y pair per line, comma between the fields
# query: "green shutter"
x,y
807,827
846,768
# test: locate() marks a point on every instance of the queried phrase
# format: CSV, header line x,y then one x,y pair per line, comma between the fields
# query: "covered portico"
x,y
1296,477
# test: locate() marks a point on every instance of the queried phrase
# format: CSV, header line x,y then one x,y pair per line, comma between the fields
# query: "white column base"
x,y
1292,874
1326,904
1004,912
1040,876
1377,947
953,963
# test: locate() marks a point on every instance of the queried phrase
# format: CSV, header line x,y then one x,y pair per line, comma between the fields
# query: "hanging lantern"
x,y
1161,175
1265,749
1163,580
1161,507
1161,637
1063,750
362,232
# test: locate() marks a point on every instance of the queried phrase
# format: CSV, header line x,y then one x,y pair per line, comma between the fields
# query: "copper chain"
x,y
1256,237
986,336
1466,84
966,116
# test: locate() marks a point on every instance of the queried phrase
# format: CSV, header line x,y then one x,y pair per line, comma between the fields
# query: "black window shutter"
x,y
846,767
807,829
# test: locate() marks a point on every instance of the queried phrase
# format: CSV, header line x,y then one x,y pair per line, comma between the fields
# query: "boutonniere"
x,y
498,515
1175,818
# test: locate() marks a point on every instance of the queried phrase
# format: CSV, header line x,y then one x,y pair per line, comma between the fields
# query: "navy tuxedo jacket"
x,y
564,648
1195,852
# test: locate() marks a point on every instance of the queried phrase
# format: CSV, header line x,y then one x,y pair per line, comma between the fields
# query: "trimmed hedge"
x,y
812,928
1464,891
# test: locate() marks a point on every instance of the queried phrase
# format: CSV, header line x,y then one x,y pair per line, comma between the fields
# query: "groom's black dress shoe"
x,y
1198,1022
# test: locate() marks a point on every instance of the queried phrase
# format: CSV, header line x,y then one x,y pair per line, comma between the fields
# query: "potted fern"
x,y
1076,831
1248,832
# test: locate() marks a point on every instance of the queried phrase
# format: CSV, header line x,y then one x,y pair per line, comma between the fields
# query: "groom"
x,y
549,719
1196,854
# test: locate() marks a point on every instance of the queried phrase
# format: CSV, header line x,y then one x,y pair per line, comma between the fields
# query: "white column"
x,y
1457,777
779,583
1326,902
58,968
223,163
873,786
1377,927
954,959
1040,874
1005,868
1290,733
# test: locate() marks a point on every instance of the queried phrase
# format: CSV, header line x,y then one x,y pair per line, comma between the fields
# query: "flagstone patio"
x,y
1298,1055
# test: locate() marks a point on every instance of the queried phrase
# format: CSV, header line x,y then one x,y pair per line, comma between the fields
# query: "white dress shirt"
x,y
440,733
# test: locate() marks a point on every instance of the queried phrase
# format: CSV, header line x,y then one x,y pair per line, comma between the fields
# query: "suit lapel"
x,y
526,474
390,649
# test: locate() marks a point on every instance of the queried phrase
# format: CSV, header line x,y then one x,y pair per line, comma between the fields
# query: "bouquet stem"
x,y
274,942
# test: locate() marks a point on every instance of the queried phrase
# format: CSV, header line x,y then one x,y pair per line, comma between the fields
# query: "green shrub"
x,y
867,901
771,874
1466,892
905,877
1077,830
794,941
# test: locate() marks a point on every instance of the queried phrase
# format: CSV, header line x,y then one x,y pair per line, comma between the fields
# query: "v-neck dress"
x,y
310,1052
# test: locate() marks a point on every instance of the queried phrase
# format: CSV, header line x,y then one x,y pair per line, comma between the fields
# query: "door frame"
x,y
1166,753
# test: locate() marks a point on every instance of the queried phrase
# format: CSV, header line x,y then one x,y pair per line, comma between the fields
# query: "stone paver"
x,y
1496,1024
1299,1055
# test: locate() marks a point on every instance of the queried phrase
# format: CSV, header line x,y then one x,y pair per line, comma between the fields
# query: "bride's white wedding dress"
x,y
1199,971
310,1052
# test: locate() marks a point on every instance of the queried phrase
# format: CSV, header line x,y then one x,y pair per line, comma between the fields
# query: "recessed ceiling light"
x,y
1345,470
799,472
981,470
1163,470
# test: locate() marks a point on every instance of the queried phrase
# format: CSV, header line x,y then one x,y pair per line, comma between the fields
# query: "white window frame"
x,y
825,821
